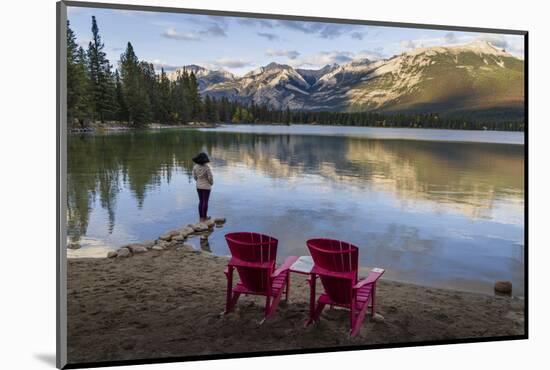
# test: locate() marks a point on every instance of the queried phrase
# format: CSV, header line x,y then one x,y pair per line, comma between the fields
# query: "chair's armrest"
x,y
371,278
236,262
285,266
350,275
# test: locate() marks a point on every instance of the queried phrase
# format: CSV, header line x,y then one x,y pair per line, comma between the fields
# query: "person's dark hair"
x,y
201,158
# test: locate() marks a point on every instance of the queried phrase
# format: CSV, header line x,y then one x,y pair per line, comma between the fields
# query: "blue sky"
x,y
243,44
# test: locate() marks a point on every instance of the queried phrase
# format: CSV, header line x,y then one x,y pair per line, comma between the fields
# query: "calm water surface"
x,y
441,208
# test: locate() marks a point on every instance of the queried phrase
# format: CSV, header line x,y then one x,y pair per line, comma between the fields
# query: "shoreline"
x,y
180,237
362,271
169,303
99,127
118,127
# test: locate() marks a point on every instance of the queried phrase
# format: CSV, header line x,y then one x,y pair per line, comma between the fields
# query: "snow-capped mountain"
x,y
446,79
313,75
205,77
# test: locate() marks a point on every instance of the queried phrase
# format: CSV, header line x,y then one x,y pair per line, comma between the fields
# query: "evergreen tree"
x,y
193,97
77,81
236,116
287,116
164,106
151,81
102,84
210,111
134,88
121,113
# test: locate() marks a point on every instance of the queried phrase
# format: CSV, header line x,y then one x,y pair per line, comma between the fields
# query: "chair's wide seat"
x,y
362,298
277,284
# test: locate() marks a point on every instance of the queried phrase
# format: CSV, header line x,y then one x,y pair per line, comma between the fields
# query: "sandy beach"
x,y
169,303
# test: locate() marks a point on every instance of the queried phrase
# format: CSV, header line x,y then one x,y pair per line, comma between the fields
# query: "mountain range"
x,y
476,80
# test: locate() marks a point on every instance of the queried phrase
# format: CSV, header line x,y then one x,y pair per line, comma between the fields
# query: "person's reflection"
x,y
205,244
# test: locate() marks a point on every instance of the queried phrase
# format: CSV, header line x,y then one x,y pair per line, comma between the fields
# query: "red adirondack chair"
x,y
336,264
253,255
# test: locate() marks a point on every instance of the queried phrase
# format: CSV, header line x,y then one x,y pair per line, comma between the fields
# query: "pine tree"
x,y
180,98
121,113
164,101
150,80
102,82
77,81
287,116
193,97
134,88
236,116
210,111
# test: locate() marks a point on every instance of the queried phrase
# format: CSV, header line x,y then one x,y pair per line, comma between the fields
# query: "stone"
x,y
123,252
200,226
377,318
178,238
210,223
169,234
172,244
503,287
139,249
204,237
219,220
186,230
111,254
148,244
135,246
162,243
188,247
73,246
157,248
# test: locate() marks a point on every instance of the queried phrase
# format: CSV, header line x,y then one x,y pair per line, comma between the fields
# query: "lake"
x,y
434,207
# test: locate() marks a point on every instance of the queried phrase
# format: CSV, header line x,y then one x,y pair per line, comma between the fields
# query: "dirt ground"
x,y
169,303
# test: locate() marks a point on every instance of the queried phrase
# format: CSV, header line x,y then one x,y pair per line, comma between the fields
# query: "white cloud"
x,y
358,35
450,38
408,44
496,40
228,63
213,30
256,22
158,64
324,30
172,33
374,54
512,44
323,58
290,54
268,36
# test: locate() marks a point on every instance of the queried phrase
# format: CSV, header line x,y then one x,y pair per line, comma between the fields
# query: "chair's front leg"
x,y
268,302
287,286
312,283
373,299
352,310
229,275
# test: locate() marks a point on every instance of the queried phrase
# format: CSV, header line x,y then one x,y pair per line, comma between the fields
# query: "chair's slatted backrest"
x,y
253,248
335,256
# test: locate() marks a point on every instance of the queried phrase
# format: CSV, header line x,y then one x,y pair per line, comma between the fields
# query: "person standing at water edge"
x,y
203,176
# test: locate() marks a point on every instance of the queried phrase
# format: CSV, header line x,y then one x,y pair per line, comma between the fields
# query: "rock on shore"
x,y
170,239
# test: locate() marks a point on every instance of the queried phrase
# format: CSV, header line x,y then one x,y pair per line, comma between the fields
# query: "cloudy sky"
x,y
242,44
